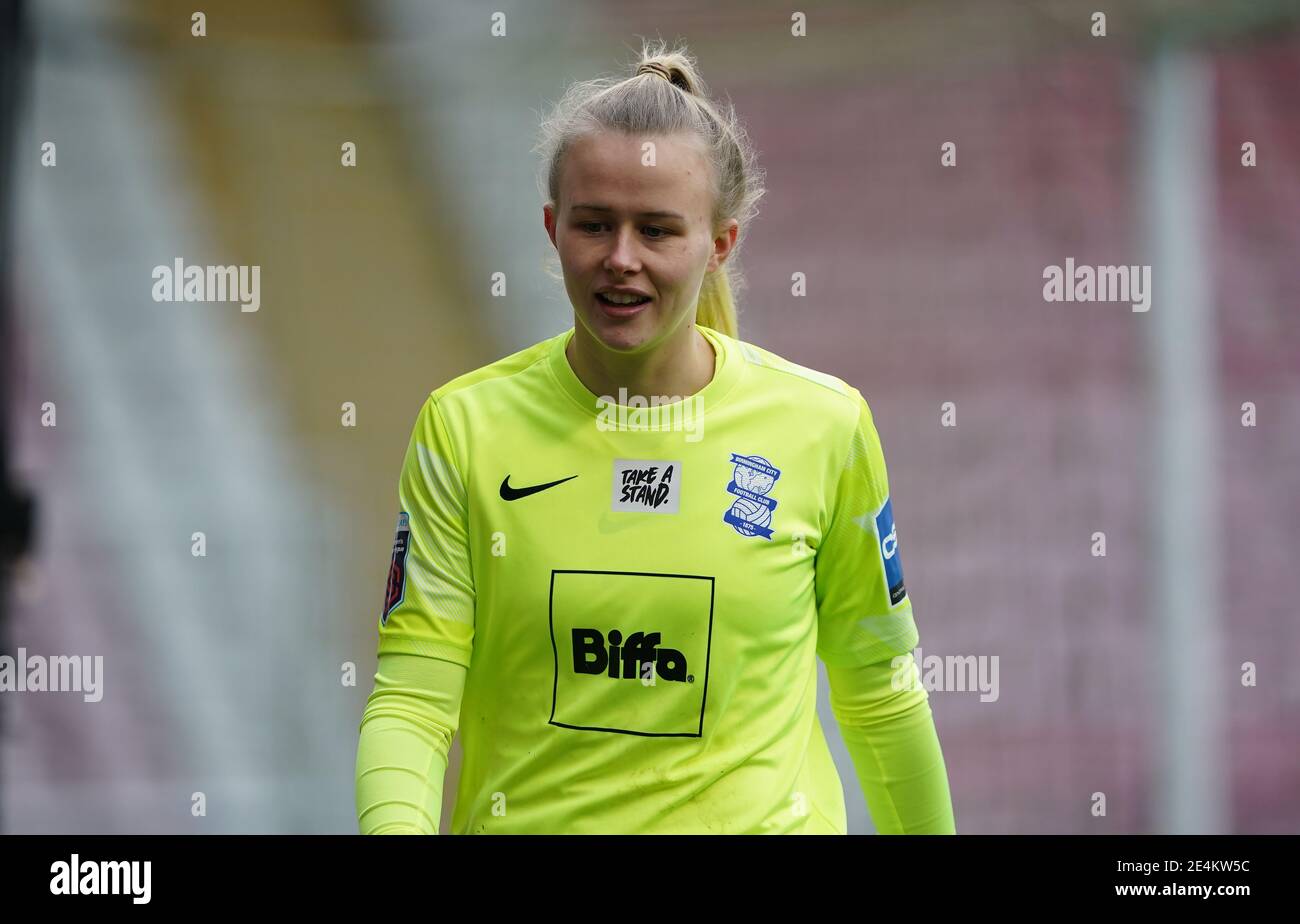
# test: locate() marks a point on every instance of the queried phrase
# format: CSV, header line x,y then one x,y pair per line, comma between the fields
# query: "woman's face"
x,y
648,228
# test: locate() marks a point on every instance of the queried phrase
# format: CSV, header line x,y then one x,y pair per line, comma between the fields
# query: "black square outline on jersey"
x,y
555,652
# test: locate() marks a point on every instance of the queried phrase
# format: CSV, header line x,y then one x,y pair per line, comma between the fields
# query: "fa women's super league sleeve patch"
x,y
887,538
396,589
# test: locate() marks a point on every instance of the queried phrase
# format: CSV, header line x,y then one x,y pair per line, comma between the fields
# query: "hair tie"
x,y
654,67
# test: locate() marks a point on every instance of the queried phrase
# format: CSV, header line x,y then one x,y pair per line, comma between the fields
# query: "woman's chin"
x,y
622,342
623,336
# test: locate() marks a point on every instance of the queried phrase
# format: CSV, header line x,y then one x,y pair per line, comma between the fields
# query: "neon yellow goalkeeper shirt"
x,y
639,595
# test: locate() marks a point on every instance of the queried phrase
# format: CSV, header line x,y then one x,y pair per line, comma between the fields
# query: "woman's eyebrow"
x,y
605,208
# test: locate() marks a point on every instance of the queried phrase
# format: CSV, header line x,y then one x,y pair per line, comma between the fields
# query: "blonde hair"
x,y
665,95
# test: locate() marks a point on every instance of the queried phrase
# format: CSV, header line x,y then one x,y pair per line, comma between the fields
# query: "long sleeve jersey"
x,y
618,607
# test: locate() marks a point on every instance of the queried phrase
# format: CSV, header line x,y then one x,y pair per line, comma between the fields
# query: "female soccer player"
x,y
620,551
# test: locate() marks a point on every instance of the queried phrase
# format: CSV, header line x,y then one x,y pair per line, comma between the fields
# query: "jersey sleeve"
x,y
864,614
883,713
406,733
429,597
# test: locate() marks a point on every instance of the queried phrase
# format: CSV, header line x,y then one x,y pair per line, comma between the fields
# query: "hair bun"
x,y
673,76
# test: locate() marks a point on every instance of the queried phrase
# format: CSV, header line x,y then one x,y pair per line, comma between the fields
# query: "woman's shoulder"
x,y
500,369
776,371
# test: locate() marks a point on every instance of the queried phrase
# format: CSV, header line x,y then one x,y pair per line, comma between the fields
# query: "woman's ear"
x,y
723,243
548,219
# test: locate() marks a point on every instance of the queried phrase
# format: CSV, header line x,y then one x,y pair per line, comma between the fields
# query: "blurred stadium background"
x,y
222,674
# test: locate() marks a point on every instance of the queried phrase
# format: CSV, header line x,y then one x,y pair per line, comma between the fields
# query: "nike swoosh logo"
x,y
509,493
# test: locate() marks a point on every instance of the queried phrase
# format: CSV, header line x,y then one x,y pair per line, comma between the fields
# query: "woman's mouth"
x,y
615,310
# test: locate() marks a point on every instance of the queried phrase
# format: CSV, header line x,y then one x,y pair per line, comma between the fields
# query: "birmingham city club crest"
x,y
751,480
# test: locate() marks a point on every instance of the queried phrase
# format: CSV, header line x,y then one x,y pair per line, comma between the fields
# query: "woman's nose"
x,y
623,251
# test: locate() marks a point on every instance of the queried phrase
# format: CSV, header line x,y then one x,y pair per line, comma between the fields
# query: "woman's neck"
x,y
678,368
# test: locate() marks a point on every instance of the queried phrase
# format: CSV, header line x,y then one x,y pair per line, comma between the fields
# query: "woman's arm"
x,y
891,737
406,733
426,633
864,623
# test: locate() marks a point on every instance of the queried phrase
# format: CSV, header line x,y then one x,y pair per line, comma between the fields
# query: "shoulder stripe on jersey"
x,y
770,360
444,592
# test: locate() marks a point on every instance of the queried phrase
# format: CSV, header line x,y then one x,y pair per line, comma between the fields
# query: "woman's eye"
x,y
593,227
